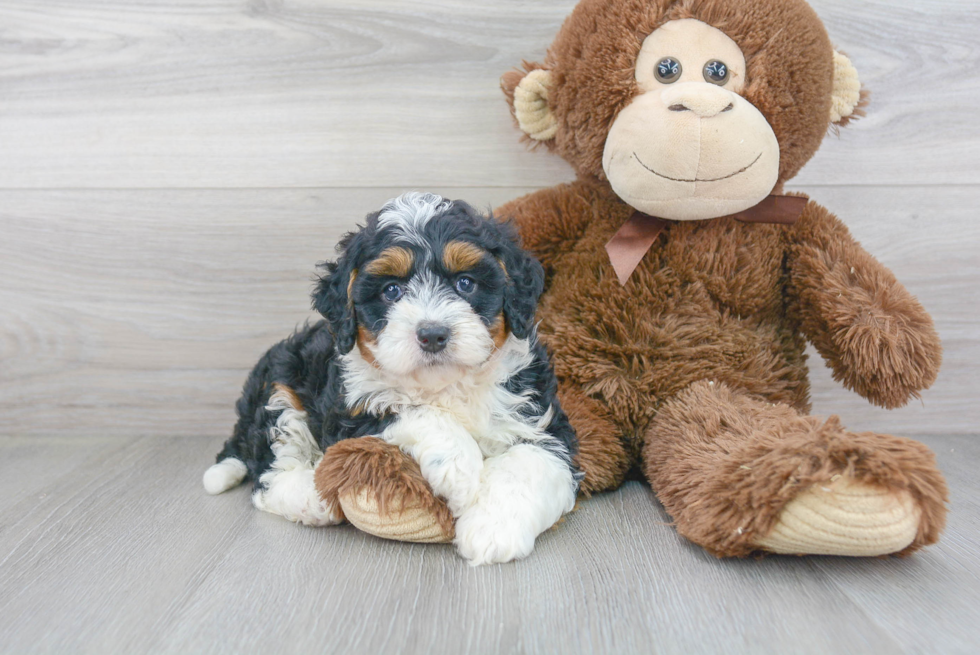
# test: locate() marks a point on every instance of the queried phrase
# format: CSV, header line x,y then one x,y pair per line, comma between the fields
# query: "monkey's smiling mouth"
x,y
698,179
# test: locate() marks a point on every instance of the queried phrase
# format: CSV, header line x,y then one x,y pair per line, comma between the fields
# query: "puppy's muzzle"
x,y
432,337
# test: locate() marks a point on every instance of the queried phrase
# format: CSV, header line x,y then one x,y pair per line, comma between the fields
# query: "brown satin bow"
x,y
632,241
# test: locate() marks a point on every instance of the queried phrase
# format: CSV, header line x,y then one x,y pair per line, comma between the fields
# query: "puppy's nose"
x,y
432,337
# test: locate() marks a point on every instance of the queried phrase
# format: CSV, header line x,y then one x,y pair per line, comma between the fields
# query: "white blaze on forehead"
x,y
409,213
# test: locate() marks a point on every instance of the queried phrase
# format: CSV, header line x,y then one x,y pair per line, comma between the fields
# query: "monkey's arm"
x,y
551,220
877,338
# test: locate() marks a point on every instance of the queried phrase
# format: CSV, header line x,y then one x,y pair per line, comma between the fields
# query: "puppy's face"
x,y
435,304
429,291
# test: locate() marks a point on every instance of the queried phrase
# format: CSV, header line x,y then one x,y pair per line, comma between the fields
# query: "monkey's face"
x,y
719,104
689,146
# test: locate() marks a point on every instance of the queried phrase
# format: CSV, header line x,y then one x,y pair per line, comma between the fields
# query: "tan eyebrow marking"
x,y
461,256
394,262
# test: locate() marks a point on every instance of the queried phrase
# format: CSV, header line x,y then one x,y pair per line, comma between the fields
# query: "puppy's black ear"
x,y
331,295
525,282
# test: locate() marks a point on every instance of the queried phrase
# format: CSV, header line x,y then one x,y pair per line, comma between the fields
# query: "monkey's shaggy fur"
x,y
694,370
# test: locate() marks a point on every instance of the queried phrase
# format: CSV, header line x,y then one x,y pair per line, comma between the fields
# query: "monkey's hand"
x,y
877,338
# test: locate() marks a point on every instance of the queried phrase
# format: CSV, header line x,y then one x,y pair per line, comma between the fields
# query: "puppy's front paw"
x,y
293,496
485,538
455,478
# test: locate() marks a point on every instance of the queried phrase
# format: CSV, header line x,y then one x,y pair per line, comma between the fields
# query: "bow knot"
x,y
631,242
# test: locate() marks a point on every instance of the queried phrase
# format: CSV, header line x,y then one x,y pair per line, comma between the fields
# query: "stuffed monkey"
x,y
682,285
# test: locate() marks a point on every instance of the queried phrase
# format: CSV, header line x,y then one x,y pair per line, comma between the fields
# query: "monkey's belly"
x,y
633,357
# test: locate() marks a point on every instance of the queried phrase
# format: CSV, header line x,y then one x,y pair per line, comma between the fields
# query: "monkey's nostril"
x,y
678,108
730,107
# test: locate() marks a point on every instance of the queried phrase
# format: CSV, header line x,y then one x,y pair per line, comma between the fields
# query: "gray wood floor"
x,y
170,172
108,545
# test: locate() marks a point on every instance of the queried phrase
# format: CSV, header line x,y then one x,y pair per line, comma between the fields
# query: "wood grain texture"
x,y
145,317
140,313
30,465
128,554
136,312
266,93
169,174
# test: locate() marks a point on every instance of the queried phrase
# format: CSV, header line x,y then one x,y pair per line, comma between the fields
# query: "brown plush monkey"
x,y
696,112
681,288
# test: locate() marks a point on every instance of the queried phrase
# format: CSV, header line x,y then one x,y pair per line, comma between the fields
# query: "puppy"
x,y
429,345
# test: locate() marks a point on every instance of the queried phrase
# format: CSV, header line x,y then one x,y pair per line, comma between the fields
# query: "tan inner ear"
x,y
531,106
847,89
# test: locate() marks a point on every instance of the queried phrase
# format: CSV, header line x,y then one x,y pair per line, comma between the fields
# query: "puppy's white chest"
x,y
483,418
475,407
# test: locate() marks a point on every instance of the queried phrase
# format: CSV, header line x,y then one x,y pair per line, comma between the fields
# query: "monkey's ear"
x,y
527,94
847,98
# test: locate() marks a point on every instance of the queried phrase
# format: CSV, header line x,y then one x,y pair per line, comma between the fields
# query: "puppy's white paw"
x,y
224,475
483,537
293,496
454,478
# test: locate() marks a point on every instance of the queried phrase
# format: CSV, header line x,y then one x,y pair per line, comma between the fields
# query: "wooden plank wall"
x,y
171,171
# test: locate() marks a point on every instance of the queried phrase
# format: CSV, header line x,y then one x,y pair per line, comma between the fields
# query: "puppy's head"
x,y
429,288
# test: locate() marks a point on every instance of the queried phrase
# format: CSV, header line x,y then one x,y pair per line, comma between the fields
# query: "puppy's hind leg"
x,y
232,467
287,487
224,475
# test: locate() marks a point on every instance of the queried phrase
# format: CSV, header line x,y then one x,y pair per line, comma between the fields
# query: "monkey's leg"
x,y
738,475
382,492
601,454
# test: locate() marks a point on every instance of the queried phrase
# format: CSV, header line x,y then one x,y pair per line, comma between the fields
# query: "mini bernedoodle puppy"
x,y
428,344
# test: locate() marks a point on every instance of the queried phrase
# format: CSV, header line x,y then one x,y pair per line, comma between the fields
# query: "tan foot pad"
x,y
845,517
414,523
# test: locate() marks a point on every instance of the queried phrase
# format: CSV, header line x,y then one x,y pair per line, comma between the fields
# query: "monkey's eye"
x,y
716,72
392,293
668,70
465,285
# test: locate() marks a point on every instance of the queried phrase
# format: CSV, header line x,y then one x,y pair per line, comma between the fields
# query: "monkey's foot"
x,y
845,517
412,523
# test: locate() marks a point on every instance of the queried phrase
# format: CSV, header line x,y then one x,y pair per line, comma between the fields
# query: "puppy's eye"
x,y
716,72
668,70
465,285
392,293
